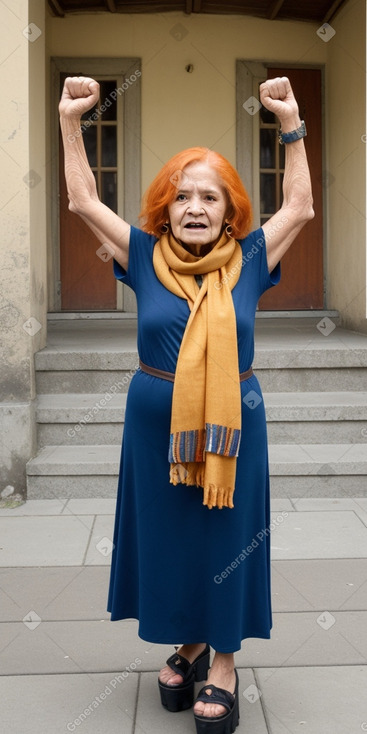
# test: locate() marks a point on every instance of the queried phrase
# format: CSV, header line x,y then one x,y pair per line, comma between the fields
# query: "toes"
x,y
210,710
167,676
218,710
199,708
175,680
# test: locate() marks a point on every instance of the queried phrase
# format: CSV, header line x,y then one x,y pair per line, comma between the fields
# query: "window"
x,y
272,160
100,140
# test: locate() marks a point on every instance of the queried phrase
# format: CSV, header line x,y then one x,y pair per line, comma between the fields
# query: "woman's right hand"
x,y
80,94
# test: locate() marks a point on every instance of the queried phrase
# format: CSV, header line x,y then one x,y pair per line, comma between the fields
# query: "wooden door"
x,y
87,281
301,285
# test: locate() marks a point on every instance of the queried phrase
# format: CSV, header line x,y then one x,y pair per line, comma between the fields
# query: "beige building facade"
x,y
187,93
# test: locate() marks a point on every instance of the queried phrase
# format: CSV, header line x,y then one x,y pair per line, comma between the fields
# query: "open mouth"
x,y
195,225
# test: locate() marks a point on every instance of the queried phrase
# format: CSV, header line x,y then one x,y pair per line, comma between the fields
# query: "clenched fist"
x,y
277,96
80,94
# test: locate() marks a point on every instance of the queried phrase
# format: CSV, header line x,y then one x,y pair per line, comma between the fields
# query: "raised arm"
x,y
79,95
277,96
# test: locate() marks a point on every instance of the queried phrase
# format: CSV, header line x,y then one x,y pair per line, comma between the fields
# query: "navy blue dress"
x,y
187,573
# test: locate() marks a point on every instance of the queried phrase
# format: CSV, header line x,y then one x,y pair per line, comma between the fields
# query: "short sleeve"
x,y
140,255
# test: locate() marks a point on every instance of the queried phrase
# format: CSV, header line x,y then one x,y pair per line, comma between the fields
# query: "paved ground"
x,y
65,667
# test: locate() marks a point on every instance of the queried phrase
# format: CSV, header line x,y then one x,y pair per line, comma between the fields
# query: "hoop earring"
x,y
228,228
165,228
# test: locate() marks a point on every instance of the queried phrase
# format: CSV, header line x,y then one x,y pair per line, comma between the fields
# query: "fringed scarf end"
x,y
218,497
194,475
187,473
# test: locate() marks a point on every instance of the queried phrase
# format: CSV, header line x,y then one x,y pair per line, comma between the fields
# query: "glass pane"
x,y
109,145
90,142
267,148
109,190
267,193
108,100
267,116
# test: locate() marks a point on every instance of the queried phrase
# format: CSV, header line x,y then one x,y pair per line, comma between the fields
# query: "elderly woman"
x,y
195,433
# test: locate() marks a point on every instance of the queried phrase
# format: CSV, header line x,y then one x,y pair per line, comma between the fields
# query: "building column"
x,y
345,179
23,301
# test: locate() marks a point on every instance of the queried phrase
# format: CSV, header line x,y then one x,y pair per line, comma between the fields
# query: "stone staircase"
x,y
315,394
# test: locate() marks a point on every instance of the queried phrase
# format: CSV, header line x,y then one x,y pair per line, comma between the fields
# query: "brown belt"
x,y
171,375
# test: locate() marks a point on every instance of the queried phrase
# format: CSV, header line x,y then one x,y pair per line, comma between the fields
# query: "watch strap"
x,y
294,135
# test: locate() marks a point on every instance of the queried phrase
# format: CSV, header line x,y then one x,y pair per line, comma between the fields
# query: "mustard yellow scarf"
x,y
206,403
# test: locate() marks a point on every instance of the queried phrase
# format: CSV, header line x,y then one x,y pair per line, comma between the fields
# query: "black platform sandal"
x,y
228,722
181,696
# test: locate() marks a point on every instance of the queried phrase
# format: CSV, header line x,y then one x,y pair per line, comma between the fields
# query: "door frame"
x,y
129,206
248,75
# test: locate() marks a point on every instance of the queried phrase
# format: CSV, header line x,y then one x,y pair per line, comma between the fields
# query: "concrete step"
x,y
80,418
292,355
87,419
299,470
266,357
292,379
98,380
316,417
94,356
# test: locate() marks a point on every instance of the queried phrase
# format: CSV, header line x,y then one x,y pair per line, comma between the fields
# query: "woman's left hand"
x,y
277,96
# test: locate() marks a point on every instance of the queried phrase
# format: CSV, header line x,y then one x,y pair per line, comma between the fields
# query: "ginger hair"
x,y
163,190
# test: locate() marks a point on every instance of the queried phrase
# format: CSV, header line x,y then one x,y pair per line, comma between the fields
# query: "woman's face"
x,y
198,211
